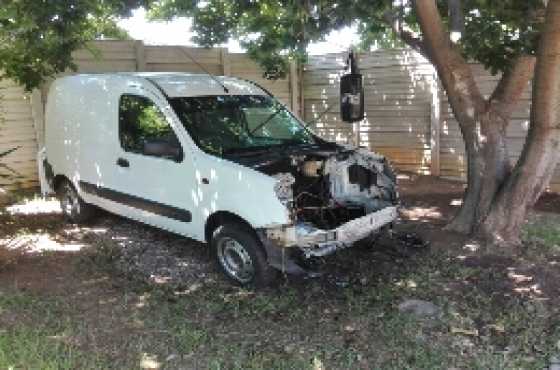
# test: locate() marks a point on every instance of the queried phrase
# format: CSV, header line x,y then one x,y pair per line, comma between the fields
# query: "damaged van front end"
x,y
316,242
335,196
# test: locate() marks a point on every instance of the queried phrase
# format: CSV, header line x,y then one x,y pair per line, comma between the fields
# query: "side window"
x,y
142,125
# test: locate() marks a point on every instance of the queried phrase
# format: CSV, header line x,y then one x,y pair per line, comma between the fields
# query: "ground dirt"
x,y
118,294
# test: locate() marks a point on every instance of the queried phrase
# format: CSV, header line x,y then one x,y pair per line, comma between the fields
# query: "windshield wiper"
x,y
272,115
254,150
315,120
262,149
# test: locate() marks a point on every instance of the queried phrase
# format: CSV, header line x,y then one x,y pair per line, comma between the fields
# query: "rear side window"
x,y
141,122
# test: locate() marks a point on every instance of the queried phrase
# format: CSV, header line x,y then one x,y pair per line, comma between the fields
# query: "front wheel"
x,y
74,209
240,256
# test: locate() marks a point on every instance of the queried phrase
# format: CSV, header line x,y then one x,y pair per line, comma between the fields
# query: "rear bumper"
x,y
315,242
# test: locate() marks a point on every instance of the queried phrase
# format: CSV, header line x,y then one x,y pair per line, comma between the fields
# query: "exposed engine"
x,y
326,189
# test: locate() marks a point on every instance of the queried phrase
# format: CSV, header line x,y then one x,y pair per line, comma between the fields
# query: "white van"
x,y
216,159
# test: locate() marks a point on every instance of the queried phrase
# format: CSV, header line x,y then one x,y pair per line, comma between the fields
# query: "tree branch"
x,y
407,37
435,36
512,84
453,70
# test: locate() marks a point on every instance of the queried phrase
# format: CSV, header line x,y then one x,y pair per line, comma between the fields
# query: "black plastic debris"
x,y
401,245
410,240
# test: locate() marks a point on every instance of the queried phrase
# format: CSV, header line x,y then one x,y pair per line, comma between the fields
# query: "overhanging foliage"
x,y
37,37
276,31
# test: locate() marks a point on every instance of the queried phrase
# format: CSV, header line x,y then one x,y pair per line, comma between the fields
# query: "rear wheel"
x,y
240,256
74,209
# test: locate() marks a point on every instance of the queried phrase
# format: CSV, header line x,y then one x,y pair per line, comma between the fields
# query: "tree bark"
x,y
501,104
482,122
541,153
467,103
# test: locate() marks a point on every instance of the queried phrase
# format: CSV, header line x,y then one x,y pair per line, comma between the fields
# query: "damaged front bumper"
x,y
314,242
318,243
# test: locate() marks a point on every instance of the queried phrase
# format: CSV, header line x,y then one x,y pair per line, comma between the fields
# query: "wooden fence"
x,y
407,114
408,117
17,130
399,88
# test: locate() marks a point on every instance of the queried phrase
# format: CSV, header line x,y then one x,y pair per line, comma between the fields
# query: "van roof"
x,y
179,84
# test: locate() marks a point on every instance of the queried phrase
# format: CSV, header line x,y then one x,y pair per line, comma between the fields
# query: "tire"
x,y
74,209
240,256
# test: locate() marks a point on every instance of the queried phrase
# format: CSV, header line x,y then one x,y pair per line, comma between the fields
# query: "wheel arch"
x,y
219,218
58,180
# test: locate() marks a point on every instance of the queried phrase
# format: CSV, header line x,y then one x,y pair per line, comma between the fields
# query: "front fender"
x,y
226,186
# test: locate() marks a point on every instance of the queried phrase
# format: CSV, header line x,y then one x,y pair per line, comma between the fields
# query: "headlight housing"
x,y
283,188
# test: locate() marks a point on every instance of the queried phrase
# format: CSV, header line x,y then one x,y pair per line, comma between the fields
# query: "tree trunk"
x,y
487,168
487,153
541,150
483,123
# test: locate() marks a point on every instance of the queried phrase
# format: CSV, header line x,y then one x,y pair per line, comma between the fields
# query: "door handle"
x,y
123,162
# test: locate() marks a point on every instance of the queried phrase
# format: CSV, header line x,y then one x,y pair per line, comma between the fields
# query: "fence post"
x,y
140,56
38,116
356,126
301,102
294,88
224,59
435,126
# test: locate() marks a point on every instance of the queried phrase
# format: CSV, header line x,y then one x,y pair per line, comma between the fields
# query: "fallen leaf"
x,y
497,328
472,332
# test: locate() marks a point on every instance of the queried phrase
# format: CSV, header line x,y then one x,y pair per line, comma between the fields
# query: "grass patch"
x,y
102,255
293,329
311,324
36,334
543,237
24,347
484,325
238,358
221,327
17,301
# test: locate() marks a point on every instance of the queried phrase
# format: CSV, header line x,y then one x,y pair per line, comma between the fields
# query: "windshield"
x,y
229,124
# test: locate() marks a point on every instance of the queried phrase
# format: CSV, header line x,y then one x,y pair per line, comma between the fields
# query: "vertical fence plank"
x,y
301,93
294,88
140,56
435,127
226,64
38,115
356,126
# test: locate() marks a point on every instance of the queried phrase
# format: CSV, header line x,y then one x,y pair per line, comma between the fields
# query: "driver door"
x,y
155,185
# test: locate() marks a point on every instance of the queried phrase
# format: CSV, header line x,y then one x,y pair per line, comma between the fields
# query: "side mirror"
x,y
163,149
351,97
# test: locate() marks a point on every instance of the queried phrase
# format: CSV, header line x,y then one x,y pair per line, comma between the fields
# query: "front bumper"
x,y
316,242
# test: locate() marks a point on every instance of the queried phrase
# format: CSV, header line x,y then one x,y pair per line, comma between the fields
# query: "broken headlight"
x,y
283,187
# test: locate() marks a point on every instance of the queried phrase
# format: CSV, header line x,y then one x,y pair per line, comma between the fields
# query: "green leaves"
x,y
37,37
273,32
496,32
276,31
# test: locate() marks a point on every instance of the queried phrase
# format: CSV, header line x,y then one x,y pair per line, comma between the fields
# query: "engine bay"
x,y
325,190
